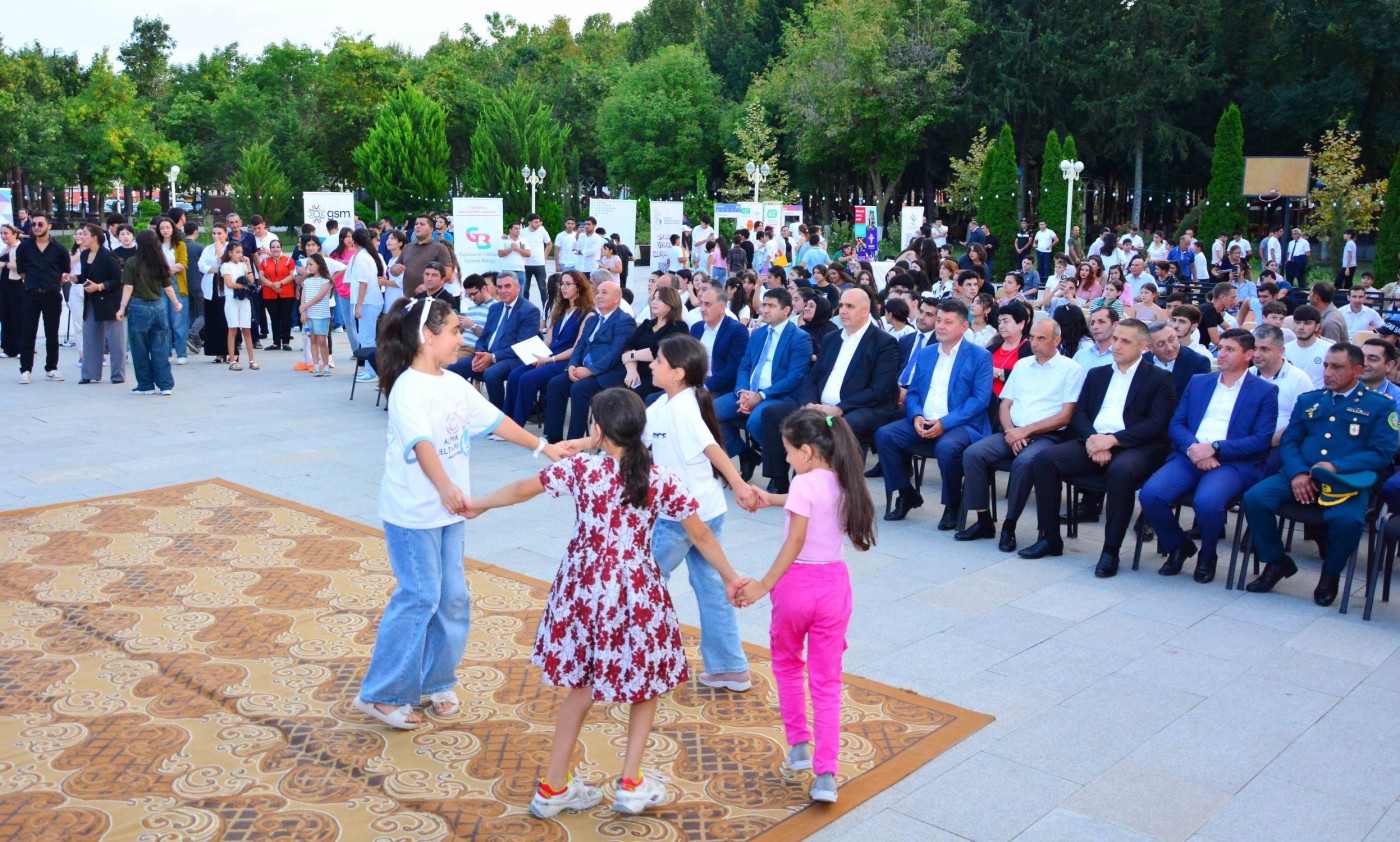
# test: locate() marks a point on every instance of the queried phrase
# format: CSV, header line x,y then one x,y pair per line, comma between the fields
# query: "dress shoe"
x,y
872,473
1043,548
749,461
1274,572
1007,544
1326,591
1087,514
976,531
1205,570
907,501
1107,566
1176,558
949,521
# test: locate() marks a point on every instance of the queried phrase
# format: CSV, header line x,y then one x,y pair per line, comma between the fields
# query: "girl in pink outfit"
x,y
811,586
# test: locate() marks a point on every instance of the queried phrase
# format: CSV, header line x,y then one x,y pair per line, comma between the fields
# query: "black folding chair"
x,y
1293,513
1188,500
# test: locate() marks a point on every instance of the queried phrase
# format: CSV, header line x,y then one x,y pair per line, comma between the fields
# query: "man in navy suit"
x,y
776,360
510,320
1167,353
1119,432
725,341
595,365
922,337
945,411
1220,435
855,376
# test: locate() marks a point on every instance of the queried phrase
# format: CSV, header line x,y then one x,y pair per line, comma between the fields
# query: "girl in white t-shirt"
x,y
239,290
317,292
433,416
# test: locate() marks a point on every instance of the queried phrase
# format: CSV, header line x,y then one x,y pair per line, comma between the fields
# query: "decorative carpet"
x,y
178,664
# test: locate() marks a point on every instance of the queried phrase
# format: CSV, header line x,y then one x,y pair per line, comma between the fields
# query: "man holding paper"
x,y
512,319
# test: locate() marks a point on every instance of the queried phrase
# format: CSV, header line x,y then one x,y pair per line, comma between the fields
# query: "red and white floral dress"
x,y
609,623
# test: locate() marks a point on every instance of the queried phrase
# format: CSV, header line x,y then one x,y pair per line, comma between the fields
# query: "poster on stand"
x,y
616,216
319,208
867,232
667,218
7,206
911,217
477,233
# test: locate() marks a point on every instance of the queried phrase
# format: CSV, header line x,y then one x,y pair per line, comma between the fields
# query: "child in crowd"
x,y
811,586
433,415
239,289
310,245
609,632
316,290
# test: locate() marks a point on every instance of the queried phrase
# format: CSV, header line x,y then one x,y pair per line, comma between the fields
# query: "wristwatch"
x,y
1215,445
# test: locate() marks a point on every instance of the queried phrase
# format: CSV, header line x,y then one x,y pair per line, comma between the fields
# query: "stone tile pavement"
x,y
1132,708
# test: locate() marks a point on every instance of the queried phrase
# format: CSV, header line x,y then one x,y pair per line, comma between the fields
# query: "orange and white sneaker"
x,y
634,797
577,796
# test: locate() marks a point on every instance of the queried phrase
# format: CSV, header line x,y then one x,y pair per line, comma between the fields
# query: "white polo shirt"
x,y
535,240
1291,382
1039,391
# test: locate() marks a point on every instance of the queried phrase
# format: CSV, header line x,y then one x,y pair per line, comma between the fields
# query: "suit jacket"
x,y
602,354
1146,413
1188,365
906,347
565,332
731,341
872,378
791,359
1251,430
106,270
969,389
1321,431
523,323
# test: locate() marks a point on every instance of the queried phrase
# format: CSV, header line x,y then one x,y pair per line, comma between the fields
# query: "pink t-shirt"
x,y
816,495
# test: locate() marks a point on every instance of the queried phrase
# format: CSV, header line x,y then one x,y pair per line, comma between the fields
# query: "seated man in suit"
x,y
1344,428
776,360
1037,403
725,340
945,411
1221,434
510,320
595,365
911,344
1119,431
855,376
1168,354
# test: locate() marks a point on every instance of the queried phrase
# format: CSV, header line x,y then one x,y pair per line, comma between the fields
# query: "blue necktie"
x,y
762,360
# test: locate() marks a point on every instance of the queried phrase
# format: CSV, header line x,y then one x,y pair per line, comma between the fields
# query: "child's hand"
x,y
555,452
572,447
752,592
472,510
732,589
760,498
747,498
454,500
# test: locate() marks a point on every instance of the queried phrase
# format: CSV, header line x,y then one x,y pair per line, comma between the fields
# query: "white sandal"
x,y
445,697
397,718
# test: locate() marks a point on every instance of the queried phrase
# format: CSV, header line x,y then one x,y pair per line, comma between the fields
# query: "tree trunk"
x,y
1140,141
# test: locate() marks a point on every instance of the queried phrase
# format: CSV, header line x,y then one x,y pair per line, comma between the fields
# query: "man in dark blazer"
x,y
1220,434
595,365
1167,353
855,376
1118,431
945,411
510,320
725,340
774,364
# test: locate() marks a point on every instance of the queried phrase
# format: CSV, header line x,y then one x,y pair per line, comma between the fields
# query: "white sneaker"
x,y
799,757
365,377
650,793
143,392
54,375
824,788
724,683
578,796
167,391
181,360
24,378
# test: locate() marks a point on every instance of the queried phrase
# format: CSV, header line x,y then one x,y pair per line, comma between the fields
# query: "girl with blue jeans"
x,y
433,415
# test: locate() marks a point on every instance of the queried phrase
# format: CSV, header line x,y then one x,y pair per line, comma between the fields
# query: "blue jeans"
x,y
179,324
148,337
720,645
345,317
424,629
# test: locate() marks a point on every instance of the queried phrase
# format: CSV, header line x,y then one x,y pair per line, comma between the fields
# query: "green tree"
x,y
276,100
259,186
357,76
1341,201
998,205
1050,208
965,184
513,132
663,23
1226,209
145,56
404,159
661,122
1388,240
755,142
738,37
698,204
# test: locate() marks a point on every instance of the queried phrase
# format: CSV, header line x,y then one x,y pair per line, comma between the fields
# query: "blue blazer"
x,y
791,359
1188,365
523,323
872,379
731,342
969,389
1252,422
564,339
602,354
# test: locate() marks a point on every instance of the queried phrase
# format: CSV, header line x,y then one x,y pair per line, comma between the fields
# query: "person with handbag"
x,y
239,289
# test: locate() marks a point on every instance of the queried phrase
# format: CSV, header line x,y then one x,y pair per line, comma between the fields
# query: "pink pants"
x,y
811,606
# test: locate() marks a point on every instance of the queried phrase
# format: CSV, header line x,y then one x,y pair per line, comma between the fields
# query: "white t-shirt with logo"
x,y
447,412
677,436
535,240
1308,359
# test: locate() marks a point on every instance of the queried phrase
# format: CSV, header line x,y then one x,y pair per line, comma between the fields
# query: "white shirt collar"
x,y
858,334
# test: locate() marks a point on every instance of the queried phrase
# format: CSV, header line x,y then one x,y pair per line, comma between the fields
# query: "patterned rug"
x,y
178,664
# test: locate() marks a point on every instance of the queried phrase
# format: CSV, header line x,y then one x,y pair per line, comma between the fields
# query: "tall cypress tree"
x,y
1226,211
1388,240
403,161
1051,207
1003,182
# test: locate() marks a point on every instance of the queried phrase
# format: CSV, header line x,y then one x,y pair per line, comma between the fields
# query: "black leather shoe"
x,y
904,504
976,531
872,473
1177,558
1326,591
1007,544
1205,570
749,461
1087,514
949,521
1274,572
1107,566
1043,548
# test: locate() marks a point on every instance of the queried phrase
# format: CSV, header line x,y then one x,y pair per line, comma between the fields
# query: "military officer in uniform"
x,y
1343,429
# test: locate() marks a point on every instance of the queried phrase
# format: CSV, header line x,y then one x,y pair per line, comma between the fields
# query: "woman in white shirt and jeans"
x,y
363,275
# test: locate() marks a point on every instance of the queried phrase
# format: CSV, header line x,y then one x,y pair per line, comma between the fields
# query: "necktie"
x,y
500,328
763,360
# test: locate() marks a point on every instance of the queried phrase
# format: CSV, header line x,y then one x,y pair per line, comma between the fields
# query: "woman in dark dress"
x,y
100,275
212,288
640,349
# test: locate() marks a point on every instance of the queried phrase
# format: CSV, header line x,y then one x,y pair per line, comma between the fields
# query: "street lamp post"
x,y
534,178
1070,170
756,174
172,175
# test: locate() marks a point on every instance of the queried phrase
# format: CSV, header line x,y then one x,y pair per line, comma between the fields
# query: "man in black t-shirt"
x,y
625,255
1023,241
990,243
1222,298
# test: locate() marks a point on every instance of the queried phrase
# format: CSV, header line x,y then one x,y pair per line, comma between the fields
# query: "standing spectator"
x,y
624,254
114,222
11,293
212,289
588,247
611,262
45,266
279,292
172,245
144,278
512,254
262,238
1348,271
362,275
939,232
418,254
24,223
193,251
1296,268
564,242
100,274
394,243
1271,250
441,232
1024,242
674,258
239,288
1045,242
536,242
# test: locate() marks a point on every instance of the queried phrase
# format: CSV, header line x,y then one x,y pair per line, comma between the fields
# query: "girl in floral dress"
x,y
609,632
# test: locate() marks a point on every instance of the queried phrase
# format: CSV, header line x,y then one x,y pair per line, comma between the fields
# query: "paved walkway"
x,y
1136,707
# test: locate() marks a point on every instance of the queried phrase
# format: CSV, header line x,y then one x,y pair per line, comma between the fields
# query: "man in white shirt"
x,y
537,241
940,234
564,241
1219,248
1036,403
588,247
1270,365
1045,242
1359,317
1101,323
1295,267
1240,242
1272,247
1347,275
512,253
1309,350
1200,269
699,235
